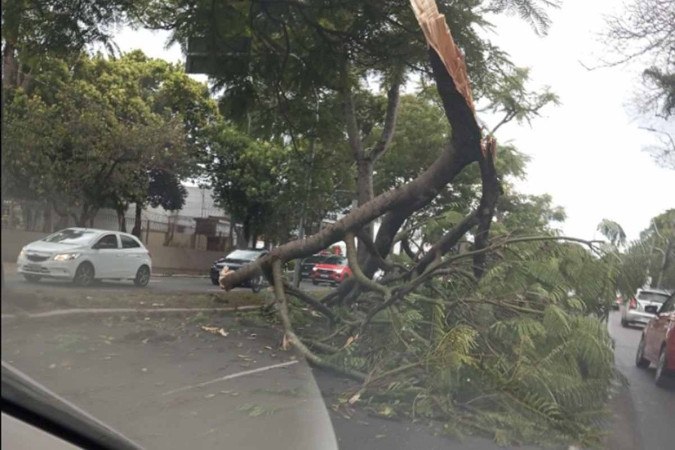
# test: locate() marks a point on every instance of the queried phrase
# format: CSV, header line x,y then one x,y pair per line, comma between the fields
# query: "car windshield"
x,y
71,236
654,297
246,255
314,259
336,260
222,219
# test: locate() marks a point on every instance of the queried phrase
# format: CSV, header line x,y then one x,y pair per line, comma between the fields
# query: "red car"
x,y
333,270
657,344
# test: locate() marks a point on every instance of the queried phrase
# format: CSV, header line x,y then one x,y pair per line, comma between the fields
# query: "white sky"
x,y
587,152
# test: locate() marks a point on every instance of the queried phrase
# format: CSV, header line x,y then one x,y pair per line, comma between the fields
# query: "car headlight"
x,y
314,269
66,256
22,253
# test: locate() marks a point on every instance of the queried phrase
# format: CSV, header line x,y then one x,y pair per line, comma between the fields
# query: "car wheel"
x,y
31,278
640,359
624,323
661,369
142,276
215,281
84,275
256,284
315,283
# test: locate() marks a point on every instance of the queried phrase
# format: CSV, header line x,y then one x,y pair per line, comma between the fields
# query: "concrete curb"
x,y
178,275
97,311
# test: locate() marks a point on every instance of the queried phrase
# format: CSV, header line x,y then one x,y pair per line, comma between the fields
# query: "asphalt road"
x,y
173,284
654,406
190,381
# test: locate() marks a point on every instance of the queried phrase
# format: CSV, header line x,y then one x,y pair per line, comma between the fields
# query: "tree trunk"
x,y
121,219
9,66
47,219
246,234
136,231
665,263
364,182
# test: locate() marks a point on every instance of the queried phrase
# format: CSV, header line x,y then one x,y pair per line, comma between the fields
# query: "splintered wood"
x,y
438,36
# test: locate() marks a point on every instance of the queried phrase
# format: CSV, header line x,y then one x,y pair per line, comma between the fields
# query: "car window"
x,y
337,260
71,236
107,241
248,255
668,306
129,242
314,259
655,297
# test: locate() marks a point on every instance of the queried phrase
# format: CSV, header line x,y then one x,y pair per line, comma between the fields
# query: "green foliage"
x,y
650,258
105,131
523,355
265,185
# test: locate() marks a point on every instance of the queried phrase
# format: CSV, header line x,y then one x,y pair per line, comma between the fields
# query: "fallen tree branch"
x,y
311,301
446,243
356,269
290,334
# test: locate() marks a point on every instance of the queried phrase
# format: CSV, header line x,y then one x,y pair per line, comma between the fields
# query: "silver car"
x,y
633,311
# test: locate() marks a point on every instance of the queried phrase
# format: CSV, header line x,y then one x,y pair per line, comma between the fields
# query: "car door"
x,y
132,256
655,333
106,256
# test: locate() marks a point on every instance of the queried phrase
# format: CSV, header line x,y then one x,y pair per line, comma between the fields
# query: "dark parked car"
x,y
236,260
308,264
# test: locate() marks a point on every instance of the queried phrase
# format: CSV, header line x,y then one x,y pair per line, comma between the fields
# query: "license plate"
x,y
33,267
323,275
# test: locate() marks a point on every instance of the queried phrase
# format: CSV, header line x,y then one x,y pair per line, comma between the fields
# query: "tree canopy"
x,y
100,131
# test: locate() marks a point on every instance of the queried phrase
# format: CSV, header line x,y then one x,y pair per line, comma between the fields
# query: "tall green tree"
x,y
101,132
277,60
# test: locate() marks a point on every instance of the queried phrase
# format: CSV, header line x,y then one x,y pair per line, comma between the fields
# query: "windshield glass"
x,y
315,259
432,202
71,236
336,260
655,297
247,255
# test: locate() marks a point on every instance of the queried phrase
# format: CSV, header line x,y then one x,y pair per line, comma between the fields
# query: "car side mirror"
x,y
652,309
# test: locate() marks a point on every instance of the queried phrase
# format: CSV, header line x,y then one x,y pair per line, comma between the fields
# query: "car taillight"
x,y
632,304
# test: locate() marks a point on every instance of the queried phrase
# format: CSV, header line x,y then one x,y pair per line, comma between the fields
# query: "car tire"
x,y
640,359
256,284
624,323
142,276
31,278
84,275
215,281
315,283
662,373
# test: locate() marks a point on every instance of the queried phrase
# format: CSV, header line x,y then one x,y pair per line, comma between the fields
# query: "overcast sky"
x,y
588,152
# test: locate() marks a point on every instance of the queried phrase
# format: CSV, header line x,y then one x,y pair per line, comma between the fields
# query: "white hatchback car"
x,y
84,255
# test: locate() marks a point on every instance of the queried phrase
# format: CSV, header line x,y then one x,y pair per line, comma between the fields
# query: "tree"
x,y
277,61
504,334
104,132
660,237
33,30
265,185
645,33
648,260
